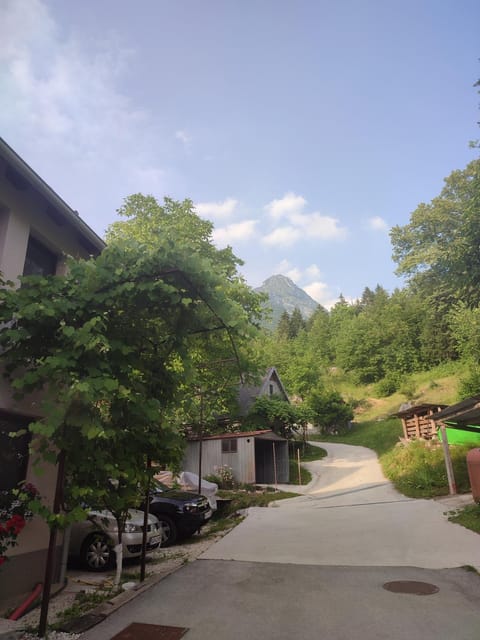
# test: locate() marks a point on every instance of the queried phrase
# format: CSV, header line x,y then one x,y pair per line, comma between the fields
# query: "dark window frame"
x,y
14,451
229,445
39,259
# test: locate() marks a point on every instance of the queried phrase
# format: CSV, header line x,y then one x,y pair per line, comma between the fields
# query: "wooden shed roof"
x,y
262,434
419,409
466,412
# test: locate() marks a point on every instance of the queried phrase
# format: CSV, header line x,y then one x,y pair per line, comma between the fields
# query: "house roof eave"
x,y
34,180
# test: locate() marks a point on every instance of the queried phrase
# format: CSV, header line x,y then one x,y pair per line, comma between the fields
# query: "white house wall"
x,y
23,213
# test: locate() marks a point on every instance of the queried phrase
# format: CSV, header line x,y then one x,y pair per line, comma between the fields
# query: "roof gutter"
x,y
72,216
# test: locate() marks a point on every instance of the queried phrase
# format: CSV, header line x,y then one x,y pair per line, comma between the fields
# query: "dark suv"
x,y
180,513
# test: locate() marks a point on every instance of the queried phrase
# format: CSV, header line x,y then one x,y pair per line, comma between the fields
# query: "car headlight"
x,y
189,506
132,528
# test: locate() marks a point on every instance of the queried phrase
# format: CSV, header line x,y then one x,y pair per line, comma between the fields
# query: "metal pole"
x,y
448,460
50,564
146,511
274,464
299,468
200,445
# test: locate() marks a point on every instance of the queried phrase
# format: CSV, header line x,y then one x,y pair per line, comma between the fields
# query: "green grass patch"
x,y
468,517
437,385
84,603
243,499
308,453
305,475
379,435
418,470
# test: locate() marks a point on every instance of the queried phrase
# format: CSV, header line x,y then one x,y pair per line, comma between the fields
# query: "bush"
x,y
223,477
469,384
389,385
417,469
329,410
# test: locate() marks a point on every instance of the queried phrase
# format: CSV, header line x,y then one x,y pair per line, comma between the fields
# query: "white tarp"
x,y
189,480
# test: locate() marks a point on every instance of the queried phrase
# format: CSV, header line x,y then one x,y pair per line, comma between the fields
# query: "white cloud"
x,y
289,204
377,224
294,274
321,293
282,237
312,271
236,232
283,266
300,224
184,137
317,226
216,209
61,101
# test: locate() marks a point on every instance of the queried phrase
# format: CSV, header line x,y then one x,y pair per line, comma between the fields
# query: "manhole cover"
x,y
141,631
412,587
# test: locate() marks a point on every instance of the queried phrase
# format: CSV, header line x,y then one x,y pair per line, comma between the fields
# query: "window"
x,y
39,260
270,389
13,450
229,445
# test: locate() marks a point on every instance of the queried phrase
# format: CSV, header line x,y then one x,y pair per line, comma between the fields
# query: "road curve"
x,y
350,515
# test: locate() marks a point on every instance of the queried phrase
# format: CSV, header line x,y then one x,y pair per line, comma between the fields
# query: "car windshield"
x,y
159,487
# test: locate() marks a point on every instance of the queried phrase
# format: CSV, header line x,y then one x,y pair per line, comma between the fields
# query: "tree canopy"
x,y
438,249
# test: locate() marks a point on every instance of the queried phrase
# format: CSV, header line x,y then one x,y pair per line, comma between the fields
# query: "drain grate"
x,y
412,587
141,631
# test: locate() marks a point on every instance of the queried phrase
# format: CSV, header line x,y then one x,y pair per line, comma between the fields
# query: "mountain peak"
x,y
285,295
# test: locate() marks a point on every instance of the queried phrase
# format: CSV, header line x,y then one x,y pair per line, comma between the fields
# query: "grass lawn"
x,y
249,497
308,453
468,517
379,435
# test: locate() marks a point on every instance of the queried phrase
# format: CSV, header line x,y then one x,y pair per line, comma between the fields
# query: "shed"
x,y
259,457
417,421
462,421
459,423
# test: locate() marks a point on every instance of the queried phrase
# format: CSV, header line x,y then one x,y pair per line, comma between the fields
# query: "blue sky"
x,y
303,129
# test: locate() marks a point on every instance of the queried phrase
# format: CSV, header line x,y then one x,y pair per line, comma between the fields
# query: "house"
x,y
270,385
255,457
37,231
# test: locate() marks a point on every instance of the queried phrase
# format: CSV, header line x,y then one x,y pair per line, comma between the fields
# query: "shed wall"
x,y
242,462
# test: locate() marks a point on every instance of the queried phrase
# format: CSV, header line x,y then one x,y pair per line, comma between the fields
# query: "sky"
x,y
303,129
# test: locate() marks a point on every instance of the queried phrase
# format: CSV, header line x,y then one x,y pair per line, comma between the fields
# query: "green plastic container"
x,y
459,436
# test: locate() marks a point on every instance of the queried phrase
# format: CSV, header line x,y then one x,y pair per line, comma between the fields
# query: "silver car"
x,y
92,540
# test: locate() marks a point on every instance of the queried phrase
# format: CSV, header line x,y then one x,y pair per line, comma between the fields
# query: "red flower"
x,y
15,524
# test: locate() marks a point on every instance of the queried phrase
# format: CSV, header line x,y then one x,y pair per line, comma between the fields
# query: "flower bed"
x,y
15,511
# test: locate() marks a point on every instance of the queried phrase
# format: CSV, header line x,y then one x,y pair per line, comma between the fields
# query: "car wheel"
x,y
169,530
96,553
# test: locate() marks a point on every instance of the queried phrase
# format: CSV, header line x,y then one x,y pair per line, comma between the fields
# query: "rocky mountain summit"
x,y
284,295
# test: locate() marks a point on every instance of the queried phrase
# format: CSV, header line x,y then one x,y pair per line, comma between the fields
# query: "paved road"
x,y
315,566
351,516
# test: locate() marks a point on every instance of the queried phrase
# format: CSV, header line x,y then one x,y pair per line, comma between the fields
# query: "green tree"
x,y
438,249
277,414
111,345
215,361
329,411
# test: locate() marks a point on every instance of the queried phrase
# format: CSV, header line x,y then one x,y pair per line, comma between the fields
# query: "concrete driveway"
x,y
350,516
314,567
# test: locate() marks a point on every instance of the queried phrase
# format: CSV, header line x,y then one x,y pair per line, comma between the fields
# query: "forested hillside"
x,y
384,338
